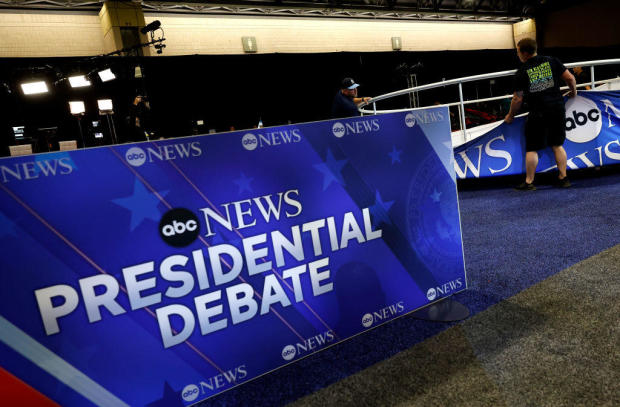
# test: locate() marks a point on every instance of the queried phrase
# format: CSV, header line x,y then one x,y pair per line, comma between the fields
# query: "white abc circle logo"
x,y
135,156
367,320
190,392
583,120
249,141
431,294
410,120
178,228
338,129
288,352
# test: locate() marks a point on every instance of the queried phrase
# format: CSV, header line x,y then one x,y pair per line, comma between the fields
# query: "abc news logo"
x,y
444,289
36,169
424,117
583,120
361,126
289,352
409,120
339,130
308,345
214,383
179,227
384,313
431,294
367,320
251,141
190,392
135,156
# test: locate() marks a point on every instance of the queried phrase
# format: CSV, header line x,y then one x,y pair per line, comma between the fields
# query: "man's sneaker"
x,y
524,186
564,183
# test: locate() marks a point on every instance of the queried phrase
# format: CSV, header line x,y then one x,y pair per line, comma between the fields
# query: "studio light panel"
x,y
33,88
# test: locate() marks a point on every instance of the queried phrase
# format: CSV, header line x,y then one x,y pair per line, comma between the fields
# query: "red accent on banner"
x,y
18,394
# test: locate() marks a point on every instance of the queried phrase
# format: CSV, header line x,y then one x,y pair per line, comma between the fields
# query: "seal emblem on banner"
x,y
433,226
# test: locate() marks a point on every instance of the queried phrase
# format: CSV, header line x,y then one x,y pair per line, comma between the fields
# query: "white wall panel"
x,y
188,34
38,33
34,33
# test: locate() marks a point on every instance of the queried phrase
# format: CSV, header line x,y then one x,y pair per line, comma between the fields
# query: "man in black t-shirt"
x,y
537,82
346,100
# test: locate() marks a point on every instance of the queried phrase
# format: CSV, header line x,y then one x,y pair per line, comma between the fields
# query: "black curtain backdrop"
x,y
237,91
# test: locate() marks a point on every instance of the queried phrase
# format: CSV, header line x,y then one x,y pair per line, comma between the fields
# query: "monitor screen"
x,y
96,123
18,131
98,135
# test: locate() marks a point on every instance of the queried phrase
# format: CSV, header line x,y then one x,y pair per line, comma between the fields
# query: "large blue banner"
x,y
169,271
592,140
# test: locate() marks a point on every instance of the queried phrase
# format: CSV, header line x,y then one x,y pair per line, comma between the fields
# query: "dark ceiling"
x,y
513,8
495,10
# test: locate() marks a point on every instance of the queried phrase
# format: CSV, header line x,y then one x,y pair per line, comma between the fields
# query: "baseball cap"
x,y
349,83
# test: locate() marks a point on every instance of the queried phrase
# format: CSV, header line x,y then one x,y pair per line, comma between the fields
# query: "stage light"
x,y
106,75
77,107
152,26
33,88
78,81
105,106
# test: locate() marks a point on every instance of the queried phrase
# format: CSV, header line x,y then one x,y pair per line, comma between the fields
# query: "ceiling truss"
x,y
433,10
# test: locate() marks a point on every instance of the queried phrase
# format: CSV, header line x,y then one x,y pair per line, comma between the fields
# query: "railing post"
x,y
462,112
592,76
374,107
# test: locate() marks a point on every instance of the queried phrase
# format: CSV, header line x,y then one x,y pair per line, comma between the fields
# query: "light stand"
x,y
78,110
106,109
409,72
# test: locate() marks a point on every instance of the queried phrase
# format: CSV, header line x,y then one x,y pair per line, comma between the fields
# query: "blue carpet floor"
x,y
512,240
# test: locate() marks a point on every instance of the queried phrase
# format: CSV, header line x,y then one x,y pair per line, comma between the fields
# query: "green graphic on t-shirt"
x,y
541,77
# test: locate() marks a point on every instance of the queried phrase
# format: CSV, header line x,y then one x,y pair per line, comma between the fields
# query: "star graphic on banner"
x,y
7,227
331,170
170,398
435,196
244,183
142,204
395,155
380,211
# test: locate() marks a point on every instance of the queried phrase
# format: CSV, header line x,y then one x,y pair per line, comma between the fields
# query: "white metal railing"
x,y
460,81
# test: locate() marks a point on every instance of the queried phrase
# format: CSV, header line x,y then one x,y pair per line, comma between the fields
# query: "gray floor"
x,y
555,344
